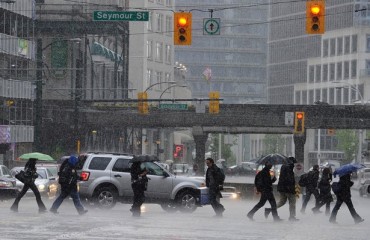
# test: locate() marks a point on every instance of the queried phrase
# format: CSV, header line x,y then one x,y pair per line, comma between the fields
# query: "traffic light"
x,y
299,123
214,102
178,151
315,16
143,103
182,28
10,102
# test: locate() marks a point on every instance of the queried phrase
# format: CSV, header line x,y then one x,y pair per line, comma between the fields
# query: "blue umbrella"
x,y
347,169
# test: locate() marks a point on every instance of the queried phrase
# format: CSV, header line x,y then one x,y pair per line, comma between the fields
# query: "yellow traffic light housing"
x,y
10,102
182,28
142,103
214,102
299,123
315,16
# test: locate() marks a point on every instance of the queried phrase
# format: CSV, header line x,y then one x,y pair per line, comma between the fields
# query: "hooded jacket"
x,y
286,182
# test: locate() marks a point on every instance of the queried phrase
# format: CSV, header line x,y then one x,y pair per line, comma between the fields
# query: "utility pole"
x,y
38,99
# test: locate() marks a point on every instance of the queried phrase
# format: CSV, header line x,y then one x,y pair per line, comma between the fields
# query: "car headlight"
x,y
234,196
5,184
41,187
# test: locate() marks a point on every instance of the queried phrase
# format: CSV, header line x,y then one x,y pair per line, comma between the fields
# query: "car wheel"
x,y
187,202
106,197
170,207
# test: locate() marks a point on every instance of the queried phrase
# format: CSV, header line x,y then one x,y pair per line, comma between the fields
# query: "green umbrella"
x,y
39,156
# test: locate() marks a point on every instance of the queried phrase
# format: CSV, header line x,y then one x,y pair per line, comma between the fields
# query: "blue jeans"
x,y
75,196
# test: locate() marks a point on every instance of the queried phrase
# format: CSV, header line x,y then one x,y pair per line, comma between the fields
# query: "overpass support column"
x,y
200,139
299,141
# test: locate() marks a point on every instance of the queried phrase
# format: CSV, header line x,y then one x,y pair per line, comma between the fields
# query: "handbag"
x,y
21,176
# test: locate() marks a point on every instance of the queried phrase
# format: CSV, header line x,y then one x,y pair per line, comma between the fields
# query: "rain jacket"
x,y
345,187
286,182
313,177
263,180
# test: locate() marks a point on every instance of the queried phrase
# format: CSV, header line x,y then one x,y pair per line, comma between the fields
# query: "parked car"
x,y
180,168
8,188
243,169
46,182
364,188
230,193
106,179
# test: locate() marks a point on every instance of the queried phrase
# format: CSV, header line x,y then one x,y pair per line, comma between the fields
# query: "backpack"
x,y
336,187
304,180
220,176
258,182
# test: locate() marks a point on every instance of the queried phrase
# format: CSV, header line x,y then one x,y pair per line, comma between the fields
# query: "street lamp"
x,y
360,131
175,85
158,84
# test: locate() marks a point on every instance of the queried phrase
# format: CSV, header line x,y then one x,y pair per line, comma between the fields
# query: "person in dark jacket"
x,y
263,183
214,181
68,178
325,197
139,183
286,188
31,174
311,188
344,195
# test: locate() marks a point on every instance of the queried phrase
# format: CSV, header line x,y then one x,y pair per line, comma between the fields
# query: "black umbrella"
x,y
274,159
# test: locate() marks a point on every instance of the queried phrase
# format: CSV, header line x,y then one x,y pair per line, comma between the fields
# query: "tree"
x,y
226,151
273,143
348,143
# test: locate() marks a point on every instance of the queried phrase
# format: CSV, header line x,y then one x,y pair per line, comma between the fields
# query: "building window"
x,y
340,46
367,43
304,97
167,77
331,95
149,49
168,54
347,41
346,70
339,71
169,29
325,72
332,47
318,73
168,3
353,68
150,22
332,72
298,97
311,75
149,79
159,18
325,51
317,95
159,52
345,95
354,43
338,97
324,95
311,97
159,80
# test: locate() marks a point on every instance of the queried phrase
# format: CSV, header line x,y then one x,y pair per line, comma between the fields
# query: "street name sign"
x,y
173,106
120,16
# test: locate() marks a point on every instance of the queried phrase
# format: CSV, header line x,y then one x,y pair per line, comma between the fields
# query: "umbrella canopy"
x,y
39,156
347,169
144,158
274,159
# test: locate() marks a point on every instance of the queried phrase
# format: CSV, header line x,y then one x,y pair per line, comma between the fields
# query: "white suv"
x,y
106,179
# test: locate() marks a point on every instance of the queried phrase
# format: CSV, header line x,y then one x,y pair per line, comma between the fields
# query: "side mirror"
x,y
52,178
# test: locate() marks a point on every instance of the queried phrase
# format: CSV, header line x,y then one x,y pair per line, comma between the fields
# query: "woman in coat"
x,y
344,195
31,174
325,197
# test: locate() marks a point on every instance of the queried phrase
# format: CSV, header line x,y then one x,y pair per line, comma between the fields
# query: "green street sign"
x,y
173,106
120,16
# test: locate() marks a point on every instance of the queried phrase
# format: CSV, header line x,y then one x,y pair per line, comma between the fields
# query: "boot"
x,y
267,212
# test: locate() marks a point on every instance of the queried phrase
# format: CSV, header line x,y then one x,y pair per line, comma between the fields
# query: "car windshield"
x,y
42,173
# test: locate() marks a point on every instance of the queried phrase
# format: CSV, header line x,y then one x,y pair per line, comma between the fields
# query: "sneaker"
x,y
42,210
53,211
82,212
359,220
250,216
293,219
333,221
316,211
14,209
277,219
267,212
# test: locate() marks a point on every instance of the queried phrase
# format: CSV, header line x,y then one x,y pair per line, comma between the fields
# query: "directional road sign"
x,y
120,16
211,26
173,106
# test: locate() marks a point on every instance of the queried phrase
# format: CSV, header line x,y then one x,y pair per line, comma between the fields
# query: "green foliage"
x,y
273,143
348,143
226,151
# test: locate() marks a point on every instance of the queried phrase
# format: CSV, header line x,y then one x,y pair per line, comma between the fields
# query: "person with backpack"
x,y
214,181
30,175
344,195
286,188
325,197
312,179
68,178
263,182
